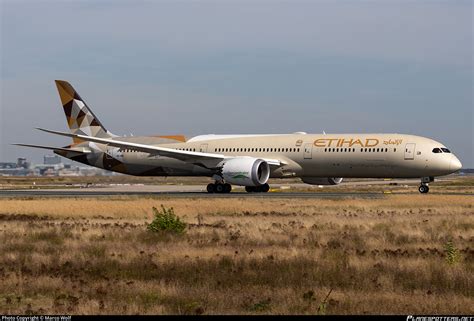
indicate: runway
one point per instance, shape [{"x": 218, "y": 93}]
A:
[
  {"x": 198, "y": 191},
  {"x": 86, "y": 194}
]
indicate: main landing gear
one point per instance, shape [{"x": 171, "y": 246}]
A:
[
  {"x": 257, "y": 189},
  {"x": 219, "y": 188},
  {"x": 226, "y": 188},
  {"x": 424, "y": 188}
]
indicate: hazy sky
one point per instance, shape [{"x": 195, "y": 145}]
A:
[{"x": 172, "y": 67}]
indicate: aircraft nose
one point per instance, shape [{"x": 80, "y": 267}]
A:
[{"x": 455, "y": 164}]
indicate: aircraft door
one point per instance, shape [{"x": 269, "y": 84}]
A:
[
  {"x": 308, "y": 151},
  {"x": 203, "y": 148},
  {"x": 410, "y": 151}
]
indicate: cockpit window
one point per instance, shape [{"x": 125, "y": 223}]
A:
[
  {"x": 437, "y": 150},
  {"x": 445, "y": 150}
]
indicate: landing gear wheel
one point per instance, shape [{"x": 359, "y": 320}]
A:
[
  {"x": 250, "y": 189},
  {"x": 211, "y": 188},
  {"x": 423, "y": 189},
  {"x": 219, "y": 188},
  {"x": 257, "y": 189}
]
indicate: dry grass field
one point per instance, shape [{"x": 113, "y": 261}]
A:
[{"x": 407, "y": 254}]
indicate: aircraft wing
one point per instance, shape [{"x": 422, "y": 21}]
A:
[{"x": 207, "y": 160}]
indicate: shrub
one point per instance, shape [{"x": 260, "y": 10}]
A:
[
  {"x": 452, "y": 253},
  {"x": 166, "y": 221},
  {"x": 261, "y": 306}
]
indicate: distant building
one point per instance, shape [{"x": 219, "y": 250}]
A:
[
  {"x": 7, "y": 165},
  {"x": 52, "y": 166},
  {"x": 51, "y": 159},
  {"x": 20, "y": 168},
  {"x": 22, "y": 163}
]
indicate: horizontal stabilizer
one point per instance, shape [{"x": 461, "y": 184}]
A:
[{"x": 55, "y": 148}]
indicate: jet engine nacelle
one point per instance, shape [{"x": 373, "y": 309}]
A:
[
  {"x": 245, "y": 171},
  {"x": 322, "y": 180}
]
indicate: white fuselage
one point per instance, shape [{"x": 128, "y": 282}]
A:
[{"x": 314, "y": 155}]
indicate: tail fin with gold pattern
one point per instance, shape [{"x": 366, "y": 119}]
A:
[{"x": 81, "y": 120}]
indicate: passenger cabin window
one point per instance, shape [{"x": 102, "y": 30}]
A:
[
  {"x": 437, "y": 150},
  {"x": 445, "y": 150}
]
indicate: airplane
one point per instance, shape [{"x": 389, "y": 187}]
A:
[{"x": 250, "y": 160}]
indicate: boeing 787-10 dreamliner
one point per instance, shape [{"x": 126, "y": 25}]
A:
[{"x": 250, "y": 160}]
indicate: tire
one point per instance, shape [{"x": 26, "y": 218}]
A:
[
  {"x": 211, "y": 188},
  {"x": 227, "y": 188},
  {"x": 249, "y": 189},
  {"x": 264, "y": 188},
  {"x": 423, "y": 189},
  {"x": 219, "y": 188}
]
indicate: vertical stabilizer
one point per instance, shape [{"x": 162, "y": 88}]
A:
[{"x": 80, "y": 119}]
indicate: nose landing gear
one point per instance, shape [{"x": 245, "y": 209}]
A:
[{"x": 424, "y": 188}]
